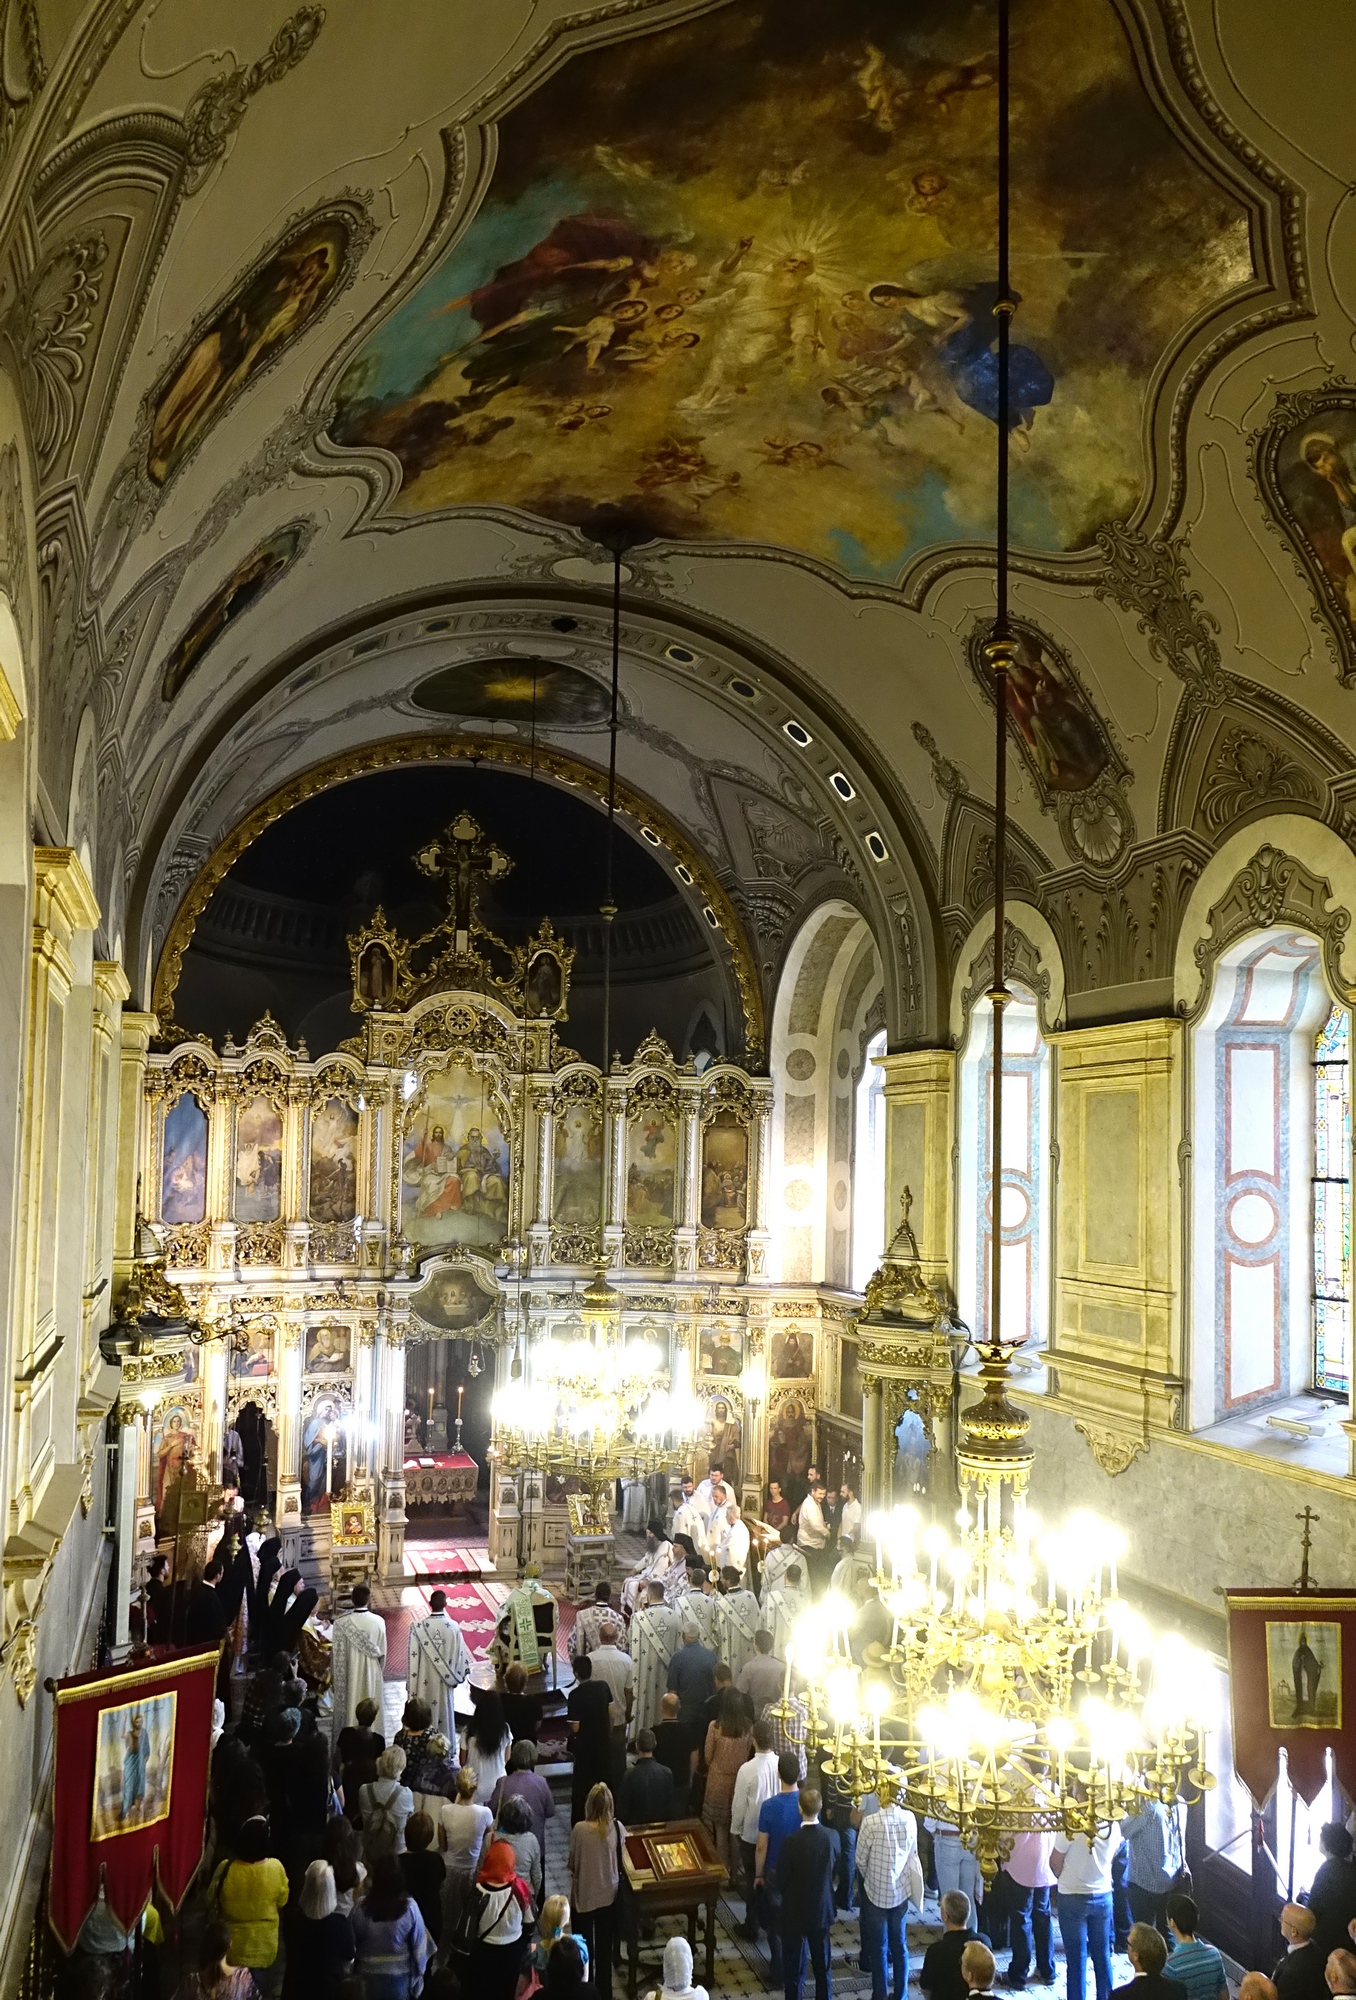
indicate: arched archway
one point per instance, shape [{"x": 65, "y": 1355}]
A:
[{"x": 829, "y": 1003}]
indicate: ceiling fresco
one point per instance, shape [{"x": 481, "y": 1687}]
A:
[{"x": 738, "y": 277}]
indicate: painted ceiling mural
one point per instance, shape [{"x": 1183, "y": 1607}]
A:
[{"x": 738, "y": 276}]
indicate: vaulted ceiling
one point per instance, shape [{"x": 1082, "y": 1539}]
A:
[{"x": 349, "y": 343}]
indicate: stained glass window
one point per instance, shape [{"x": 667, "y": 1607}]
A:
[{"x": 1332, "y": 1203}]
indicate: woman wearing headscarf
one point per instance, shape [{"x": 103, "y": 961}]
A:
[
  {"x": 678, "y": 1973},
  {"x": 497, "y": 1954}
]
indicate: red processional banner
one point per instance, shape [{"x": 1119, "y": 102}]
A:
[
  {"x": 1292, "y": 1676},
  {"x": 129, "y": 1803}
]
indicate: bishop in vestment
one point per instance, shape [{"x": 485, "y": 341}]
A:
[
  {"x": 440, "y": 1661},
  {"x": 652, "y": 1566},
  {"x": 357, "y": 1660}
]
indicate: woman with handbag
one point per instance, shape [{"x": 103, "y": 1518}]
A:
[{"x": 595, "y": 1883}]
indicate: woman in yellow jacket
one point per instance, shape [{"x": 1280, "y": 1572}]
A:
[{"x": 249, "y": 1892}]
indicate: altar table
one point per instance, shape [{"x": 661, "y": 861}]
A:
[{"x": 440, "y": 1479}]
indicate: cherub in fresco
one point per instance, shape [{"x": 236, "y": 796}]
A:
[
  {"x": 884, "y": 89},
  {"x": 680, "y": 462},
  {"x": 882, "y": 343},
  {"x": 796, "y": 451},
  {"x": 597, "y": 334},
  {"x": 648, "y": 355}
]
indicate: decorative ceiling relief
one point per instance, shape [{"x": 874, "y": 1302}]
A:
[
  {"x": 737, "y": 277},
  {"x": 1305, "y": 465}
]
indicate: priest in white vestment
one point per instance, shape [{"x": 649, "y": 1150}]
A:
[
  {"x": 440, "y": 1661},
  {"x": 357, "y": 1660},
  {"x": 737, "y": 1618},
  {"x": 784, "y": 1607},
  {"x": 690, "y": 1520},
  {"x": 656, "y": 1633},
  {"x": 778, "y": 1560},
  {"x": 698, "y": 1607},
  {"x": 731, "y": 1539}
]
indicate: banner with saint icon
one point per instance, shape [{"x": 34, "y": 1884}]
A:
[
  {"x": 1292, "y": 1676},
  {"x": 130, "y": 1792}
]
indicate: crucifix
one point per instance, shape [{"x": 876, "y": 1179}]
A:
[
  {"x": 1309, "y": 1521},
  {"x": 461, "y": 857}
]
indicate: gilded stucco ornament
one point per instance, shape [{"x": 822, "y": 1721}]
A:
[{"x": 1114, "y": 1451}]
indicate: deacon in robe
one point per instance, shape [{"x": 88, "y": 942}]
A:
[
  {"x": 697, "y": 1606},
  {"x": 650, "y": 1568},
  {"x": 357, "y": 1660},
  {"x": 737, "y": 1618},
  {"x": 587, "y": 1633},
  {"x": 673, "y": 1577},
  {"x": 784, "y": 1607},
  {"x": 656, "y": 1631},
  {"x": 439, "y": 1662},
  {"x": 690, "y": 1520},
  {"x": 778, "y": 1561},
  {"x": 731, "y": 1541}
]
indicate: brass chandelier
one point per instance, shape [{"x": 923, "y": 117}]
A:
[
  {"x": 597, "y": 1408},
  {"x": 1018, "y": 1692}
]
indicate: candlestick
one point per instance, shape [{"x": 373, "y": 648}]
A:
[
  {"x": 461, "y": 1391},
  {"x": 430, "y": 1399}
]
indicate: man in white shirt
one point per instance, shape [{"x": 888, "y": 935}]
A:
[
  {"x": 705, "y": 1495},
  {"x": 812, "y": 1533},
  {"x": 357, "y": 1660},
  {"x": 849, "y": 1515},
  {"x": 756, "y": 1780},
  {"x": 616, "y": 1668},
  {"x": 892, "y": 1878},
  {"x": 439, "y": 1662},
  {"x": 1082, "y": 1868}
]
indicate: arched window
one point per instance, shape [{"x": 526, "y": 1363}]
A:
[
  {"x": 1332, "y": 1203},
  {"x": 1025, "y": 1207},
  {"x": 868, "y": 1168},
  {"x": 1271, "y": 1262}
]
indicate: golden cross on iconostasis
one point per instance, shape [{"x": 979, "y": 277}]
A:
[{"x": 462, "y": 857}]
